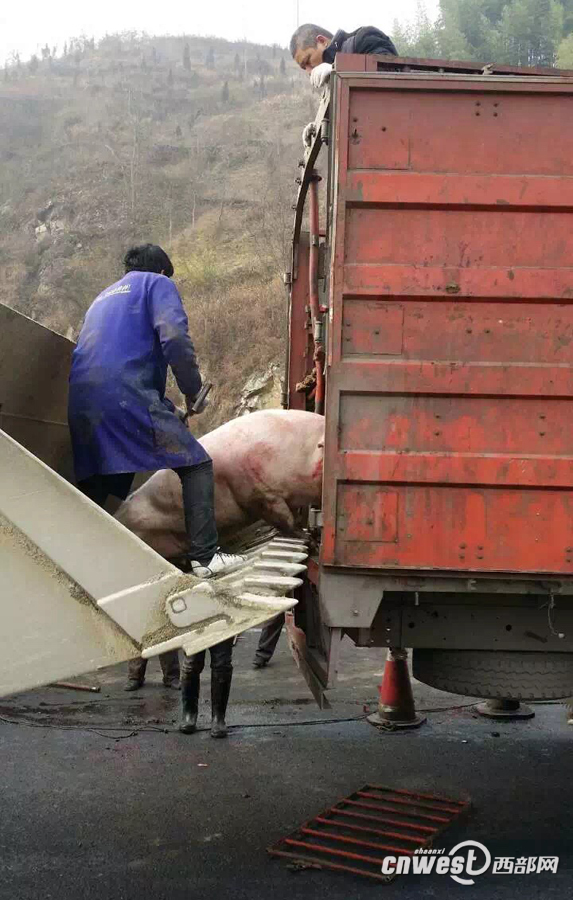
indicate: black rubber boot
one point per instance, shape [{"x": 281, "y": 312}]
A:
[
  {"x": 170, "y": 667},
  {"x": 135, "y": 674},
  {"x": 259, "y": 663},
  {"x": 189, "y": 703},
  {"x": 220, "y": 690}
]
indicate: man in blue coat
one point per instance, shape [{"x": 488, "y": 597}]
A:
[{"x": 120, "y": 419}]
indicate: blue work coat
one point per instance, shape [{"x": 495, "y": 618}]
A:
[{"x": 119, "y": 417}]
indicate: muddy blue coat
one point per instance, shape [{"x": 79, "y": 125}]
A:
[{"x": 120, "y": 419}]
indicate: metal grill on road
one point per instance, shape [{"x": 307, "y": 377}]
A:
[{"x": 357, "y": 833}]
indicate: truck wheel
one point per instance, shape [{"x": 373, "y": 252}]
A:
[{"x": 496, "y": 673}]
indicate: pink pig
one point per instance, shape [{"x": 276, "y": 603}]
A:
[{"x": 267, "y": 464}]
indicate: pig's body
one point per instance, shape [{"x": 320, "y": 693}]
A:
[{"x": 266, "y": 465}]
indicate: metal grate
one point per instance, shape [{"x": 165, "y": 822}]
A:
[{"x": 357, "y": 833}]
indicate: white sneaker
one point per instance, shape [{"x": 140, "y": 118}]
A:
[{"x": 221, "y": 564}]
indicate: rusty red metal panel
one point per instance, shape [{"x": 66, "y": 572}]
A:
[
  {"x": 507, "y": 241},
  {"x": 470, "y": 130},
  {"x": 430, "y": 330},
  {"x": 354, "y": 62},
  {"x": 450, "y": 374},
  {"x": 398, "y": 189},
  {"x": 350, "y": 62},
  {"x": 453, "y": 527},
  {"x": 430, "y": 423},
  {"x": 480, "y": 283},
  {"x": 455, "y": 468},
  {"x": 372, "y": 327},
  {"x": 367, "y": 513}
]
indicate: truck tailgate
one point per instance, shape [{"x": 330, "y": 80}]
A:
[{"x": 449, "y": 442}]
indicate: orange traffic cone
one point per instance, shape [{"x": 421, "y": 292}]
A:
[{"x": 396, "y": 706}]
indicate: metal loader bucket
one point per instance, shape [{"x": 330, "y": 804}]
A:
[{"x": 77, "y": 589}]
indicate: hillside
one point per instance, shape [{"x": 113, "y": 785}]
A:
[{"x": 192, "y": 143}]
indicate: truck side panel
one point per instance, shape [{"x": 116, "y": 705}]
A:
[{"x": 450, "y": 376}]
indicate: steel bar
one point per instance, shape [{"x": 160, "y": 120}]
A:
[
  {"x": 364, "y": 830},
  {"x": 91, "y": 688},
  {"x": 391, "y": 810},
  {"x": 313, "y": 292},
  {"x": 401, "y": 802},
  {"x": 428, "y": 829}
]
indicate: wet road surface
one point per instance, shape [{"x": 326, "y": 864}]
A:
[{"x": 103, "y": 798}]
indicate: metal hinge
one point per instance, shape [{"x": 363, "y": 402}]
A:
[{"x": 315, "y": 518}]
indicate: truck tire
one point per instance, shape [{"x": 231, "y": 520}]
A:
[{"x": 496, "y": 674}]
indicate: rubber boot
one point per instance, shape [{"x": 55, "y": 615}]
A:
[
  {"x": 189, "y": 703},
  {"x": 170, "y": 667},
  {"x": 136, "y": 674},
  {"x": 220, "y": 689}
]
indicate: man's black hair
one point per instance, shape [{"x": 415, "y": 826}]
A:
[
  {"x": 148, "y": 258},
  {"x": 307, "y": 36}
]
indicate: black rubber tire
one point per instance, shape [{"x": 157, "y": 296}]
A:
[{"x": 496, "y": 674}]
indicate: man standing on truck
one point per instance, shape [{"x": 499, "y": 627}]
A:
[
  {"x": 120, "y": 419},
  {"x": 313, "y": 48}
]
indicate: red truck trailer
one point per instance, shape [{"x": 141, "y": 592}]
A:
[{"x": 431, "y": 319}]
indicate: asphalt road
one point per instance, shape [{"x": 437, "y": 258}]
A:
[{"x": 136, "y": 812}]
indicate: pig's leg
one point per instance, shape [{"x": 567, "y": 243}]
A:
[{"x": 276, "y": 512}]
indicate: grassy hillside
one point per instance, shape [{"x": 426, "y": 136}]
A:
[{"x": 188, "y": 142}]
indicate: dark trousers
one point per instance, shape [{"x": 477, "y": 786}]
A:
[
  {"x": 269, "y": 638},
  {"x": 169, "y": 666},
  {"x": 198, "y": 485},
  {"x": 221, "y": 662}
]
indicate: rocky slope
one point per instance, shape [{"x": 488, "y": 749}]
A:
[{"x": 188, "y": 142}]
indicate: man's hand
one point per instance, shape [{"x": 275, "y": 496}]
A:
[
  {"x": 308, "y": 133},
  {"x": 320, "y": 75},
  {"x": 190, "y": 401}
]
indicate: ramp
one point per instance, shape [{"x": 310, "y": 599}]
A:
[{"x": 80, "y": 591}]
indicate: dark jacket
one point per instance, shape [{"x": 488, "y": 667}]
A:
[{"x": 363, "y": 40}]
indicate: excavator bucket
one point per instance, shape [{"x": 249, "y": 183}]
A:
[{"x": 78, "y": 590}]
